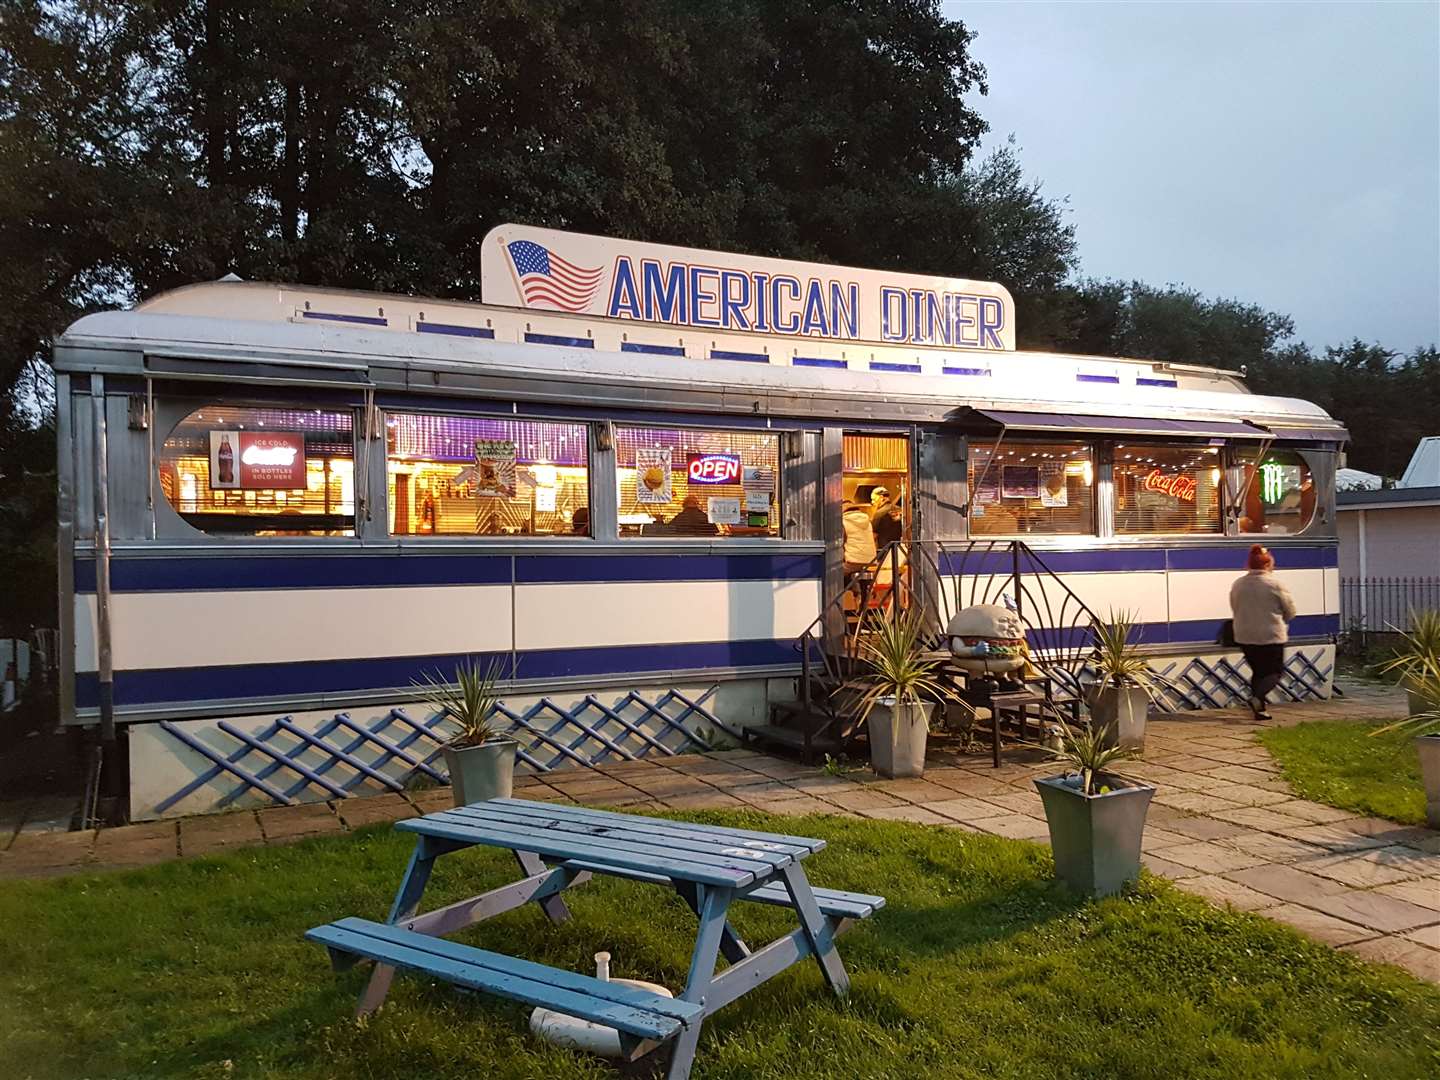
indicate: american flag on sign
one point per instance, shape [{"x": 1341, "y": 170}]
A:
[{"x": 548, "y": 280}]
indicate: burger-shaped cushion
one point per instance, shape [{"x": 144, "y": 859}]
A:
[{"x": 987, "y": 638}]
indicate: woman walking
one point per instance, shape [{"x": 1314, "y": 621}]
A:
[{"x": 1262, "y": 607}]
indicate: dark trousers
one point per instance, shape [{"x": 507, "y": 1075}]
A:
[{"x": 1267, "y": 665}]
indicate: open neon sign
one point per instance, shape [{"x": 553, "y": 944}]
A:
[{"x": 714, "y": 469}]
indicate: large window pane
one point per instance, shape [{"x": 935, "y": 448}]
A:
[
  {"x": 1167, "y": 489},
  {"x": 1032, "y": 489},
  {"x": 236, "y": 470},
  {"x": 475, "y": 476},
  {"x": 683, "y": 482},
  {"x": 1280, "y": 498}
]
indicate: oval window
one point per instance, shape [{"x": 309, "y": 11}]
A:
[{"x": 1279, "y": 495}]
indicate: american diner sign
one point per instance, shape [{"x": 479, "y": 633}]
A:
[{"x": 550, "y": 270}]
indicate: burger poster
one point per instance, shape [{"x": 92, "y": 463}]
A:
[
  {"x": 495, "y": 467},
  {"x": 652, "y": 475},
  {"x": 1053, "y": 491}
]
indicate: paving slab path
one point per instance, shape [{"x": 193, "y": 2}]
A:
[{"x": 1223, "y": 825}]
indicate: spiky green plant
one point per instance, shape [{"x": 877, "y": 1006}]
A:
[
  {"x": 1085, "y": 750},
  {"x": 1117, "y": 659},
  {"x": 895, "y": 667},
  {"x": 1420, "y": 653},
  {"x": 1422, "y": 678},
  {"x": 469, "y": 702}
]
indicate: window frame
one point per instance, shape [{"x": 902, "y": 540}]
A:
[
  {"x": 688, "y": 424},
  {"x": 547, "y": 541},
  {"x": 175, "y": 404},
  {"x": 1235, "y": 512},
  {"x": 1222, "y": 496},
  {"x": 1094, "y": 444}
]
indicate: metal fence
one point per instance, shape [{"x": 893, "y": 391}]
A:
[{"x": 1378, "y": 605}]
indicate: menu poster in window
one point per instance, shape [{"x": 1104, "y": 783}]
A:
[
  {"x": 723, "y": 510},
  {"x": 544, "y": 500},
  {"x": 257, "y": 461},
  {"x": 652, "y": 475},
  {"x": 987, "y": 488},
  {"x": 1053, "y": 491},
  {"x": 758, "y": 484},
  {"x": 1020, "y": 482},
  {"x": 495, "y": 467}
]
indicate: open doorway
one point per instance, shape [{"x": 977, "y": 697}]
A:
[{"x": 876, "y": 489}]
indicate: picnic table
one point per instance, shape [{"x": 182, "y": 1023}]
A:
[{"x": 559, "y": 847}]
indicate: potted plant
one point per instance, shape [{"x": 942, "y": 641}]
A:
[
  {"x": 1419, "y": 655},
  {"x": 900, "y": 691},
  {"x": 1424, "y": 682},
  {"x": 1096, "y": 819},
  {"x": 1120, "y": 701},
  {"x": 479, "y": 756}
]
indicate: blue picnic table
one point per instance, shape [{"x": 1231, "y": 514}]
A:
[{"x": 559, "y": 847}]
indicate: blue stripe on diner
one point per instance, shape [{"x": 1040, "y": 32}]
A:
[
  {"x": 1139, "y": 381},
  {"x": 456, "y": 330},
  {"x": 166, "y": 685},
  {"x": 885, "y": 365},
  {"x": 330, "y": 571},
  {"x": 1083, "y": 377},
  {"x": 966, "y": 370},
  {"x": 658, "y": 350},
  {"x": 744, "y": 357},
  {"x": 334, "y": 316},
  {"x": 557, "y": 339},
  {"x": 817, "y": 361},
  {"x": 537, "y": 569},
  {"x": 1118, "y": 560}
]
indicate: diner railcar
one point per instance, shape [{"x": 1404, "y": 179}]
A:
[{"x": 623, "y": 480}]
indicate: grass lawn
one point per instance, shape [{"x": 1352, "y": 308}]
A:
[
  {"x": 979, "y": 967},
  {"x": 1338, "y": 763}
]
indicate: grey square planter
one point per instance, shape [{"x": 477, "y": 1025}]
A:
[
  {"x": 1095, "y": 838},
  {"x": 1428, "y": 747},
  {"x": 481, "y": 772}
]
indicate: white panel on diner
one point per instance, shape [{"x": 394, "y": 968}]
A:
[
  {"x": 198, "y": 629},
  {"x": 1205, "y": 594},
  {"x": 1332, "y": 590},
  {"x": 577, "y": 615},
  {"x": 86, "y": 652},
  {"x": 1140, "y": 593}
]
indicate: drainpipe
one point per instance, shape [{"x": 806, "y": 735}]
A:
[
  {"x": 1364, "y": 574},
  {"x": 102, "y": 560}
]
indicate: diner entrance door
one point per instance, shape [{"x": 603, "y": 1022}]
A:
[{"x": 876, "y": 507}]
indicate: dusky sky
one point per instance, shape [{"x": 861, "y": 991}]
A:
[{"x": 1285, "y": 154}]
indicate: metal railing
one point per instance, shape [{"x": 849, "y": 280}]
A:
[{"x": 1381, "y": 605}]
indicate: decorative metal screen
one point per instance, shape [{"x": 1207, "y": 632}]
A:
[{"x": 285, "y": 761}]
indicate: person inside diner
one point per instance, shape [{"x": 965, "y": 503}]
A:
[
  {"x": 885, "y": 520},
  {"x": 691, "y": 520},
  {"x": 580, "y": 522},
  {"x": 859, "y": 539}
]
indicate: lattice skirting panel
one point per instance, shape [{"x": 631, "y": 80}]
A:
[
  {"x": 1222, "y": 679},
  {"x": 189, "y": 767}
]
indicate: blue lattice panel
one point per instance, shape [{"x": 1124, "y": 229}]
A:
[
  {"x": 217, "y": 765},
  {"x": 1222, "y": 680}
]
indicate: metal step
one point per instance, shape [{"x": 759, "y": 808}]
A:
[{"x": 791, "y": 739}]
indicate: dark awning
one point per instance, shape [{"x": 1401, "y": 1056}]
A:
[
  {"x": 1334, "y": 435},
  {"x": 1116, "y": 425}
]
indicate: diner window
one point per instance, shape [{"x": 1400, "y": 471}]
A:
[
  {"x": 475, "y": 476},
  {"x": 262, "y": 471},
  {"x": 1166, "y": 489},
  {"x": 1279, "y": 496},
  {"x": 1032, "y": 489},
  {"x": 683, "y": 482}
]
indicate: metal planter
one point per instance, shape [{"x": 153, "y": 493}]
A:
[
  {"x": 481, "y": 772},
  {"x": 1120, "y": 711},
  {"x": 1428, "y": 747},
  {"x": 1095, "y": 838},
  {"x": 898, "y": 735}
]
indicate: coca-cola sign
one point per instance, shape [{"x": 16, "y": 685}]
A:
[
  {"x": 257, "y": 460},
  {"x": 1177, "y": 485}
]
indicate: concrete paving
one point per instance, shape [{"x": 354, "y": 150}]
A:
[{"x": 1223, "y": 824}]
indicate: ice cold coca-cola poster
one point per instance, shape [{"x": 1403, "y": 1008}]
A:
[{"x": 257, "y": 460}]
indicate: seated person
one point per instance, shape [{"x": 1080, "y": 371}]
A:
[
  {"x": 691, "y": 520},
  {"x": 580, "y": 522}
]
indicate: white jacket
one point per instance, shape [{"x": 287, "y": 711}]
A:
[
  {"x": 1261, "y": 606},
  {"x": 859, "y": 537}
]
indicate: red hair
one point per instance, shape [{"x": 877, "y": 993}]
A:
[{"x": 1260, "y": 558}]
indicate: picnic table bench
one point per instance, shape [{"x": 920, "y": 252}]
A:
[{"x": 559, "y": 847}]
